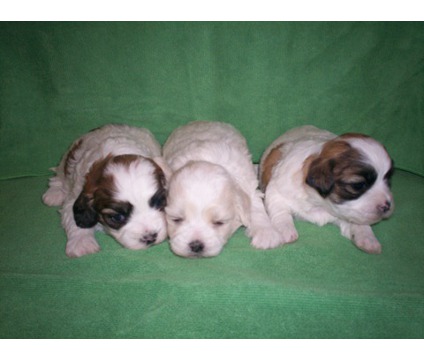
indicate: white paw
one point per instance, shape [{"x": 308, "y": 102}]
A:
[
  {"x": 363, "y": 238},
  {"x": 53, "y": 197},
  {"x": 83, "y": 246},
  {"x": 287, "y": 230},
  {"x": 289, "y": 235},
  {"x": 266, "y": 238},
  {"x": 368, "y": 244}
]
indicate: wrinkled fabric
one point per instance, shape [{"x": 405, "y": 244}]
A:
[{"x": 59, "y": 80}]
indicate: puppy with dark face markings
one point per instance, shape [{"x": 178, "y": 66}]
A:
[
  {"x": 111, "y": 179},
  {"x": 314, "y": 175}
]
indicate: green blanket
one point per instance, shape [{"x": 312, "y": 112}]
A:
[{"x": 59, "y": 80}]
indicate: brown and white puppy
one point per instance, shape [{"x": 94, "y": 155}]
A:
[
  {"x": 111, "y": 177},
  {"x": 314, "y": 175},
  {"x": 213, "y": 190}
]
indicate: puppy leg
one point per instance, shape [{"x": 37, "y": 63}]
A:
[
  {"x": 55, "y": 195},
  {"x": 80, "y": 241},
  {"x": 283, "y": 222},
  {"x": 263, "y": 234},
  {"x": 362, "y": 237},
  {"x": 281, "y": 217}
]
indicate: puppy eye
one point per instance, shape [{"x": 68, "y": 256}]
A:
[
  {"x": 177, "y": 220},
  {"x": 358, "y": 186},
  {"x": 218, "y": 223},
  {"x": 116, "y": 218}
]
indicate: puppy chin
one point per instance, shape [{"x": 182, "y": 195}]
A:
[{"x": 139, "y": 240}]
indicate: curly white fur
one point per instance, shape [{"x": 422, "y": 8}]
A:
[
  {"x": 213, "y": 190},
  {"x": 134, "y": 183},
  {"x": 288, "y": 195}
]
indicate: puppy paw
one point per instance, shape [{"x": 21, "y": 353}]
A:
[
  {"x": 368, "y": 244},
  {"x": 268, "y": 238},
  {"x": 81, "y": 247},
  {"x": 362, "y": 237},
  {"x": 53, "y": 197},
  {"x": 290, "y": 235}
]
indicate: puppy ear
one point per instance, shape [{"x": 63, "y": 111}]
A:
[
  {"x": 162, "y": 173},
  {"x": 320, "y": 175},
  {"x": 160, "y": 161},
  {"x": 84, "y": 214}
]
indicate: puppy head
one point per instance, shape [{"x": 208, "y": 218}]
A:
[
  {"x": 204, "y": 208},
  {"x": 352, "y": 174},
  {"x": 127, "y": 195}
]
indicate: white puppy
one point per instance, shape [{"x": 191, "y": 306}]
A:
[
  {"x": 213, "y": 190},
  {"x": 322, "y": 178},
  {"x": 111, "y": 176}
]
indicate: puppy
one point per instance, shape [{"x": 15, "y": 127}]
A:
[
  {"x": 322, "y": 178},
  {"x": 213, "y": 190},
  {"x": 113, "y": 177}
]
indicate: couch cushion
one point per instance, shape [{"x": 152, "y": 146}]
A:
[
  {"x": 319, "y": 287},
  {"x": 60, "y": 80}
]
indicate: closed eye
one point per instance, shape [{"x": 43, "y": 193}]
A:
[
  {"x": 176, "y": 220},
  {"x": 218, "y": 223}
]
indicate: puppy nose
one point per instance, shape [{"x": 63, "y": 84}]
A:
[
  {"x": 196, "y": 246},
  {"x": 149, "y": 238},
  {"x": 385, "y": 207}
]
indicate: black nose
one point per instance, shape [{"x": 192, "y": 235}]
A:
[
  {"x": 196, "y": 246},
  {"x": 385, "y": 207},
  {"x": 149, "y": 239}
]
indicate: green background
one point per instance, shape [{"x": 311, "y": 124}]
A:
[{"x": 59, "y": 80}]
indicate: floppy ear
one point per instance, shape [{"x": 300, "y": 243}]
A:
[
  {"x": 320, "y": 175},
  {"x": 160, "y": 161},
  {"x": 163, "y": 173},
  {"x": 85, "y": 215}
]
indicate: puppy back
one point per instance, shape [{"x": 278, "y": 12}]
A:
[{"x": 290, "y": 140}]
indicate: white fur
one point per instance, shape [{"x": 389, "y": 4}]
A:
[
  {"x": 135, "y": 184},
  {"x": 287, "y": 195},
  {"x": 213, "y": 190}
]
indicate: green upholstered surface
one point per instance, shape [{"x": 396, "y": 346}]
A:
[{"x": 59, "y": 80}]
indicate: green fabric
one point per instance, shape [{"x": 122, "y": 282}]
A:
[
  {"x": 59, "y": 80},
  {"x": 321, "y": 286}
]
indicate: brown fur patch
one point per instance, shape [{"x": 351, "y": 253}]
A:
[
  {"x": 158, "y": 200},
  {"x": 339, "y": 172},
  {"x": 70, "y": 157},
  {"x": 96, "y": 201},
  {"x": 159, "y": 174},
  {"x": 268, "y": 165},
  {"x": 125, "y": 160},
  {"x": 85, "y": 214},
  {"x": 95, "y": 179},
  {"x": 100, "y": 188},
  {"x": 353, "y": 136},
  {"x": 334, "y": 148}
]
